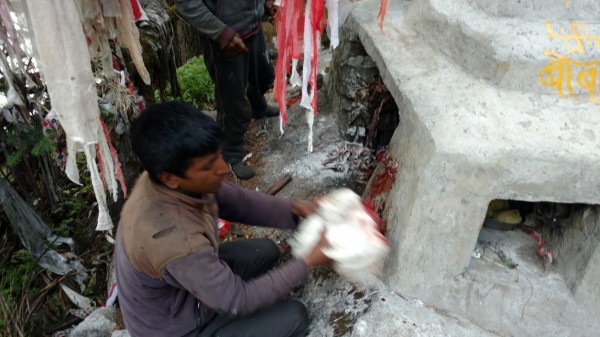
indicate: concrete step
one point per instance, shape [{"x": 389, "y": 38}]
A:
[
  {"x": 509, "y": 52},
  {"x": 573, "y": 10}
]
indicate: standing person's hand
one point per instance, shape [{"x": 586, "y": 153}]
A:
[
  {"x": 236, "y": 46},
  {"x": 270, "y": 7}
]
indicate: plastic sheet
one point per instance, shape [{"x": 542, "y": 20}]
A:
[
  {"x": 36, "y": 236},
  {"x": 79, "y": 300}
]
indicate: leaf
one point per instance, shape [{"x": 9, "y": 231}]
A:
[
  {"x": 14, "y": 159},
  {"x": 43, "y": 146},
  {"x": 197, "y": 87}
]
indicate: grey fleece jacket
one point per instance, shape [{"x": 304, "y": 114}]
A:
[
  {"x": 169, "y": 275},
  {"x": 220, "y": 20}
]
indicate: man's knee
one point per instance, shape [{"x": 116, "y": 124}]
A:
[
  {"x": 297, "y": 317},
  {"x": 268, "y": 249}
]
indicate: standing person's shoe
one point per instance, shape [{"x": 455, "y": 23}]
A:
[
  {"x": 272, "y": 111},
  {"x": 242, "y": 171}
]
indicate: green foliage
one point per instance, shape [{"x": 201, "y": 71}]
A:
[
  {"x": 105, "y": 114},
  {"x": 14, "y": 158},
  {"x": 73, "y": 210},
  {"x": 197, "y": 87},
  {"x": 43, "y": 146},
  {"x": 27, "y": 139},
  {"x": 15, "y": 275}
]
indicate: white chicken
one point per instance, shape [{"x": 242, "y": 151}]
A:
[{"x": 357, "y": 248}]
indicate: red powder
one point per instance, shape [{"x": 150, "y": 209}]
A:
[{"x": 381, "y": 184}]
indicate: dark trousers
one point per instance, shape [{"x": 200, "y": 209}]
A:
[
  {"x": 240, "y": 84},
  {"x": 288, "y": 318}
]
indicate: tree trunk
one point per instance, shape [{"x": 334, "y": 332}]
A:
[
  {"x": 187, "y": 38},
  {"x": 187, "y": 42}
]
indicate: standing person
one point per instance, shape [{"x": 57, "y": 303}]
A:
[
  {"x": 173, "y": 276},
  {"x": 237, "y": 60}
]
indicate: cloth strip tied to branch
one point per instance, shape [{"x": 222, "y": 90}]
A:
[
  {"x": 65, "y": 63},
  {"x": 298, "y": 36}
]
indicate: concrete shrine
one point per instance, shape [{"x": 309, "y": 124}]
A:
[{"x": 497, "y": 100}]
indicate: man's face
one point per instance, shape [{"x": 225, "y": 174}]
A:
[{"x": 204, "y": 175}]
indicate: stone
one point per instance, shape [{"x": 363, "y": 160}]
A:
[
  {"x": 362, "y": 132},
  {"x": 351, "y": 131},
  {"x": 350, "y": 86},
  {"x": 121, "y": 333},
  {"x": 100, "y": 323}
]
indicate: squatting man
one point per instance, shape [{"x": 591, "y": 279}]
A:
[{"x": 173, "y": 275}]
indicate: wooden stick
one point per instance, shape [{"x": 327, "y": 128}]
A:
[
  {"x": 66, "y": 322},
  {"x": 278, "y": 186}
]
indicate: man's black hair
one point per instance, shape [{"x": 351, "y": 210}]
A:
[{"x": 167, "y": 136}]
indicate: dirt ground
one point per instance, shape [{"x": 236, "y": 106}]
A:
[
  {"x": 274, "y": 156},
  {"x": 334, "y": 305}
]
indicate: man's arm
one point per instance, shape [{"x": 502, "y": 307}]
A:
[
  {"x": 201, "y": 18},
  {"x": 238, "y": 204},
  {"x": 213, "y": 283}
]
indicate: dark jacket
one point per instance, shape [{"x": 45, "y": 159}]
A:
[
  {"x": 169, "y": 276},
  {"x": 220, "y": 20}
]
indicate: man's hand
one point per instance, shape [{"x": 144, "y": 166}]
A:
[
  {"x": 270, "y": 7},
  {"x": 316, "y": 256},
  {"x": 303, "y": 209},
  {"x": 236, "y": 46}
]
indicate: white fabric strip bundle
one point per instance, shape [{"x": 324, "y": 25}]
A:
[
  {"x": 357, "y": 248},
  {"x": 67, "y": 71},
  {"x": 65, "y": 64}
]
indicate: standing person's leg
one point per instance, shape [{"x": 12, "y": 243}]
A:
[
  {"x": 230, "y": 75},
  {"x": 260, "y": 76}
]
